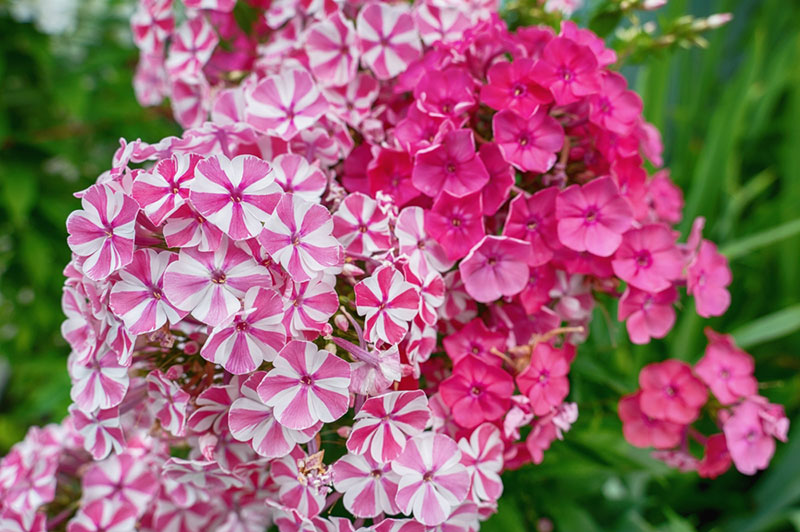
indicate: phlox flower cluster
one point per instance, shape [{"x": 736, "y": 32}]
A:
[{"x": 349, "y": 295}]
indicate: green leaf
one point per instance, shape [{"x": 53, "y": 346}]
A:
[
  {"x": 760, "y": 240},
  {"x": 19, "y": 190},
  {"x": 769, "y": 327}
]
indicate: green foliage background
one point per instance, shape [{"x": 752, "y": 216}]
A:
[{"x": 730, "y": 116}]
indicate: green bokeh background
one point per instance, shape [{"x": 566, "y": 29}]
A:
[{"x": 730, "y": 116}]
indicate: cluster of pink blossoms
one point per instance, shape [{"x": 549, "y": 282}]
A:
[{"x": 356, "y": 283}]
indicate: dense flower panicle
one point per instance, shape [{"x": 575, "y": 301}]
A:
[{"x": 380, "y": 218}]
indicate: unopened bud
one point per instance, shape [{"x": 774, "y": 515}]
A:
[
  {"x": 341, "y": 322},
  {"x": 652, "y": 5},
  {"x": 719, "y": 19}
]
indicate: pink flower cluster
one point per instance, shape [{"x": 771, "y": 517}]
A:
[
  {"x": 356, "y": 283},
  {"x": 673, "y": 395}
]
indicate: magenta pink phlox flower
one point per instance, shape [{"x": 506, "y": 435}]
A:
[
  {"x": 163, "y": 189},
  {"x": 387, "y": 302},
  {"x": 707, "y": 278},
  {"x": 531, "y": 144},
  {"x": 306, "y": 385},
  {"x": 446, "y": 93},
  {"x": 452, "y": 166},
  {"x": 285, "y": 103},
  {"x": 615, "y": 108},
  {"x": 103, "y": 516},
  {"x": 255, "y": 335},
  {"x": 369, "y": 486},
  {"x": 496, "y": 267},
  {"x": 593, "y": 217},
  {"x": 533, "y": 218},
  {"x": 296, "y": 176},
  {"x": 482, "y": 455},
  {"x": 168, "y": 402},
  {"x": 476, "y": 391},
  {"x": 671, "y": 392},
  {"x": 209, "y": 284},
  {"x": 101, "y": 431},
  {"x": 648, "y": 315},
  {"x": 99, "y": 384},
  {"x": 511, "y": 85},
  {"x": 332, "y": 49},
  {"x": 388, "y": 39},
  {"x": 102, "y": 233},
  {"x": 361, "y": 226},
  {"x": 234, "y": 194},
  {"x": 385, "y": 422},
  {"x": 648, "y": 258},
  {"x": 726, "y": 369},
  {"x": 456, "y": 223},
  {"x": 138, "y": 297},
  {"x": 568, "y": 69},
  {"x": 432, "y": 480},
  {"x": 545, "y": 381},
  {"x": 250, "y": 420},
  {"x": 191, "y": 47},
  {"x": 751, "y": 448},
  {"x": 299, "y": 235},
  {"x": 641, "y": 430},
  {"x": 501, "y": 178}
]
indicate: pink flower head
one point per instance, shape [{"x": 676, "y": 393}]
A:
[
  {"x": 593, "y": 217},
  {"x": 671, "y": 392},
  {"x": 642, "y": 430},
  {"x": 452, "y": 166},
  {"x": 389, "y": 41},
  {"x": 568, "y": 69},
  {"x": 707, "y": 277},
  {"x": 166, "y": 187},
  {"x": 211, "y": 407},
  {"x": 234, "y": 194},
  {"x": 353, "y": 102},
  {"x": 186, "y": 228},
  {"x": 332, "y": 49},
  {"x": 456, "y": 223},
  {"x": 430, "y": 284},
  {"x": 665, "y": 198},
  {"x": 532, "y": 218},
  {"x": 414, "y": 240},
  {"x": 151, "y": 24},
  {"x": 496, "y": 267},
  {"x": 209, "y": 283},
  {"x": 256, "y": 334},
  {"x": 285, "y": 103},
  {"x": 123, "y": 479},
  {"x": 102, "y": 233},
  {"x": 390, "y": 172},
  {"x": 103, "y": 516},
  {"x": 191, "y": 47},
  {"x": 531, "y": 144},
  {"x": 441, "y": 23},
  {"x": 615, "y": 108},
  {"x": 419, "y": 130},
  {"x": 138, "y": 297},
  {"x": 369, "y": 486},
  {"x": 387, "y": 302},
  {"x": 361, "y": 226},
  {"x": 648, "y": 315},
  {"x": 751, "y": 448},
  {"x": 298, "y": 235},
  {"x": 295, "y": 176},
  {"x": 446, "y": 93},
  {"x": 306, "y": 385},
  {"x": 513, "y": 86},
  {"x": 648, "y": 258},
  {"x": 168, "y": 402},
  {"x": 482, "y": 455},
  {"x": 476, "y": 392},
  {"x": 99, "y": 384},
  {"x": 250, "y": 420},
  {"x": 101, "y": 431},
  {"x": 716, "y": 458},
  {"x": 475, "y": 339},
  {"x": 545, "y": 381},
  {"x": 385, "y": 422},
  {"x": 309, "y": 306},
  {"x": 303, "y": 483},
  {"x": 432, "y": 480},
  {"x": 501, "y": 178},
  {"x": 726, "y": 369}
]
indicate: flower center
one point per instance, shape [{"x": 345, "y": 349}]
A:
[
  {"x": 157, "y": 293},
  {"x": 295, "y": 240},
  {"x": 670, "y": 391},
  {"x": 241, "y": 326},
  {"x": 307, "y": 380},
  {"x": 456, "y": 222},
  {"x": 518, "y": 90},
  {"x": 174, "y": 190},
  {"x": 428, "y": 476},
  {"x": 451, "y": 168},
  {"x": 523, "y": 140},
  {"x": 590, "y": 215},
  {"x": 643, "y": 259},
  {"x": 218, "y": 277},
  {"x": 476, "y": 390},
  {"x": 376, "y": 473},
  {"x": 362, "y": 228}
]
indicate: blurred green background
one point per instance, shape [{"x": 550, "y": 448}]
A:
[{"x": 730, "y": 116}]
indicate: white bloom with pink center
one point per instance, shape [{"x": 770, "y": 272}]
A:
[
  {"x": 482, "y": 455},
  {"x": 387, "y": 302},
  {"x": 250, "y": 420},
  {"x": 168, "y": 402},
  {"x": 309, "y": 306},
  {"x": 101, "y": 431},
  {"x": 414, "y": 240},
  {"x": 138, "y": 297},
  {"x": 102, "y": 233},
  {"x": 384, "y": 423},
  {"x": 285, "y": 103},
  {"x": 255, "y": 335},
  {"x": 306, "y": 385},
  {"x": 332, "y": 50},
  {"x": 299, "y": 236},
  {"x": 103, "y": 516},
  {"x": 296, "y": 176},
  {"x": 361, "y": 225},
  {"x": 432, "y": 480},
  {"x": 209, "y": 283},
  {"x": 234, "y": 194},
  {"x": 389, "y": 40},
  {"x": 191, "y": 47},
  {"x": 124, "y": 478},
  {"x": 369, "y": 487},
  {"x": 99, "y": 384},
  {"x": 163, "y": 189}
]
